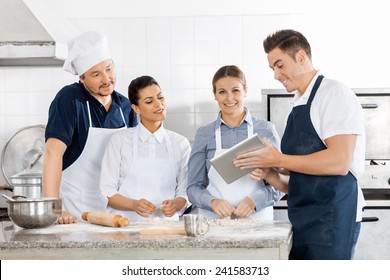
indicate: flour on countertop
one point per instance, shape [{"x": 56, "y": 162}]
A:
[
  {"x": 153, "y": 222},
  {"x": 234, "y": 222},
  {"x": 135, "y": 226}
]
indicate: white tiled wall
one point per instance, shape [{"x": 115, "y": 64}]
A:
[{"x": 183, "y": 53}]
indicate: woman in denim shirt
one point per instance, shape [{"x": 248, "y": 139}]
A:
[{"x": 245, "y": 197}]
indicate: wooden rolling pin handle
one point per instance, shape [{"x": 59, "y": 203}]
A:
[
  {"x": 124, "y": 222},
  {"x": 84, "y": 216}
]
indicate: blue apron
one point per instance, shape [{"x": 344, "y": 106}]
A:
[{"x": 322, "y": 209}]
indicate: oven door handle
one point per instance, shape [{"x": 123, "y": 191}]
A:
[
  {"x": 369, "y": 106},
  {"x": 369, "y": 219}
]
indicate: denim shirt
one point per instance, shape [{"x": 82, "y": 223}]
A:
[{"x": 203, "y": 150}]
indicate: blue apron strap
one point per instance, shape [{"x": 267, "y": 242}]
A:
[{"x": 314, "y": 90}]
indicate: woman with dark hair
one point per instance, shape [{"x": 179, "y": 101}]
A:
[
  {"x": 245, "y": 197},
  {"x": 144, "y": 169}
]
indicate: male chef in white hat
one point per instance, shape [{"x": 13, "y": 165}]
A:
[{"x": 82, "y": 117}]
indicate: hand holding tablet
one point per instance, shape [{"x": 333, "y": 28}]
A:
[{"x": 223, "y": 163}]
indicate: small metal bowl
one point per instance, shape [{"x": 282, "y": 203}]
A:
[{"x": 34, "y": 212}]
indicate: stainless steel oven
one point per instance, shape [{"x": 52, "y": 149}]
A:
[{"x": 374, "y": 241}]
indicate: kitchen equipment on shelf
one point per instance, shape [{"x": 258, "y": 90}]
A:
[
  {"x": 23, "y": 153},
  {"x": 8, "y": 197},
  {"x": 28, "y": 184},
  {"x": 34, "y": 212}
]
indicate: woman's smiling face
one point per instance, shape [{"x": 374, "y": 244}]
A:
[{"x": 230, "y": 94}]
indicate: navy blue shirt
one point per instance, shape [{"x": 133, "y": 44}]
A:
[{"x": 69, "y": 121}]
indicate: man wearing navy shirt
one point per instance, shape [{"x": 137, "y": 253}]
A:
[{"x": 82, "y": 117}]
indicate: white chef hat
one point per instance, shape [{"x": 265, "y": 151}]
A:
[{"x": 85, "y": 51}]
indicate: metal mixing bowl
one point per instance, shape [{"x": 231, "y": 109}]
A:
[{"x": 34, "y": 212}]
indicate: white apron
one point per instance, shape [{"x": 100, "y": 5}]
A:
[
  {"x": 149, "y": 178},
  {"x": 236, "y": 191},
  {"x": 79, "y": 189}
]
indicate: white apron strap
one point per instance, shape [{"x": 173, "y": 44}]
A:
[{"x": 89, "y": 114}]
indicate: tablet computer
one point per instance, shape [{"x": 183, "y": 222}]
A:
[{"x": 223, "y": 163}]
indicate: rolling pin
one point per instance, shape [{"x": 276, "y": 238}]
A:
[{"x": 105, "y": 219}]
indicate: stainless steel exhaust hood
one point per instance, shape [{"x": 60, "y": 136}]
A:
[{"x": 25, "y": 41}]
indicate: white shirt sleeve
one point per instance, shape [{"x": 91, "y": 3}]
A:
[
  {"x": 182, "y": 150},
  {"x": 111, "y": 164},
  {"x": 336, "y": 110}
]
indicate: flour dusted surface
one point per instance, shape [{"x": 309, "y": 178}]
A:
[{"x": 229, "y": 222}]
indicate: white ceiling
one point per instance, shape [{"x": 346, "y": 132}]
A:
[{"x": 144, "y": 8}]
